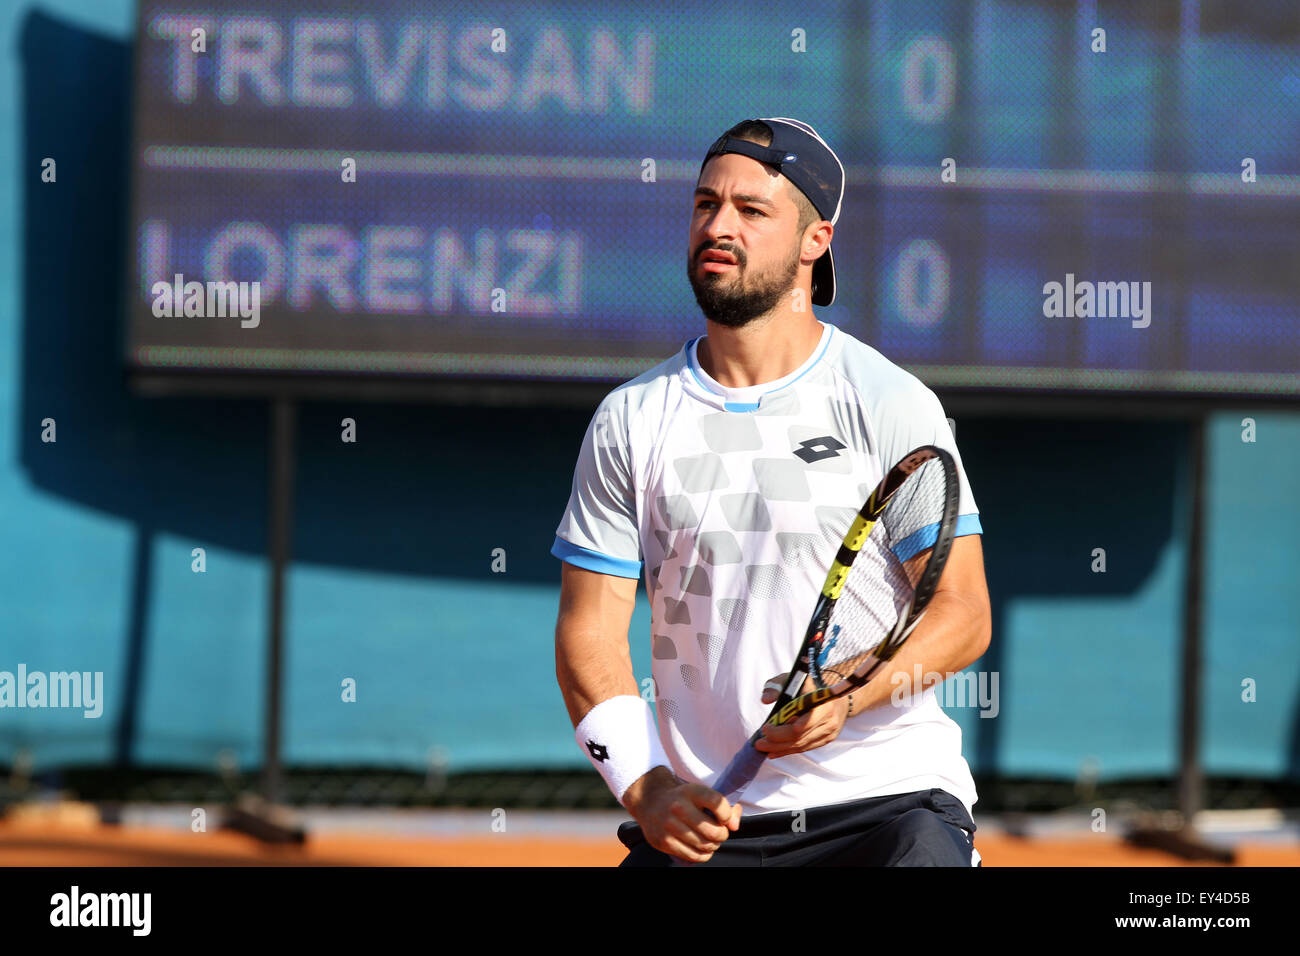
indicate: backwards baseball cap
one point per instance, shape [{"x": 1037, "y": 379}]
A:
[{"x": 803, "y": 158}]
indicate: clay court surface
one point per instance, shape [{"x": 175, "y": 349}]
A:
[{"x": 49, "y": 843}]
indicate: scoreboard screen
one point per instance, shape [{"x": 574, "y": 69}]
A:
[{"x": 1095, "y": 197}]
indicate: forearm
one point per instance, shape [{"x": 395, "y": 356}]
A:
[
  {"x": 590, "y": 667},
  {"x": 952, "y": 635},
  {"x": 593, "y": 665}
]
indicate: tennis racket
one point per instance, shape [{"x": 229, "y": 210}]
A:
[{"x": 856, "y": 626}]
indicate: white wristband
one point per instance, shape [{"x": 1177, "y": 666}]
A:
[{"x": 620, "y": 738}]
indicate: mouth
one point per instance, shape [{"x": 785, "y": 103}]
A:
[{"x": 715, "y": 260}]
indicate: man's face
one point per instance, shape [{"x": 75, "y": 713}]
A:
[{"x": 744, "y": 214}]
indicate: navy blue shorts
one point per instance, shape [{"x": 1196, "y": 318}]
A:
[{"x": 925, "y": 828}]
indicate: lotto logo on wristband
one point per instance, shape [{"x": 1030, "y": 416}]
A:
[{"x": 627, "y": 720}]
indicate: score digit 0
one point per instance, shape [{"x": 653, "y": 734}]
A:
[
  {"x": 922, "y": 300},
  {"x": 925, "y": 58}
]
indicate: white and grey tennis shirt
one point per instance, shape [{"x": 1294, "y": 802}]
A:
[{"x": 732, "y": 502}]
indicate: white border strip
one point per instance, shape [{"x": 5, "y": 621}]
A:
[{"x": 616, "y": 169}]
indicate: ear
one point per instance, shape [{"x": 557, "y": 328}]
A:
[{"x": 818, "y": 239}]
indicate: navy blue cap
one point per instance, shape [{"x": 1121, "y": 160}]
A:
[{"x": 803, "y": 158}]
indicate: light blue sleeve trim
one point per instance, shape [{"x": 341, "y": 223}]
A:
[
  {"x": 918, "y": 541},
  {"x": 594, "y": 560}
]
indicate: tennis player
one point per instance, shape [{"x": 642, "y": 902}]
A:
[{"x": 726, "y": 477}]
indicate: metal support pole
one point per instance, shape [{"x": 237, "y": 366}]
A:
[
  {"x": 1180, "y": 837},
  {"x": 280, "y": 519},
  {"x": 262, "y": 817},
  {"x": 1190, "y": 779}
]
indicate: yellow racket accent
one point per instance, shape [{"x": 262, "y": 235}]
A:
[
  {"x": 858, "y": 532},
  {"x": 835, "y": 580},
  {"x": 800, "y": 705}
]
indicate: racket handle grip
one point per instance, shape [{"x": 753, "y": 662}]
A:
[{"x": 742, "y": 769}]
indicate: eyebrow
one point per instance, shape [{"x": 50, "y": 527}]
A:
[{"x": 743, "y": 197}]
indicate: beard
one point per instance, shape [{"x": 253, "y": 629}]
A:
[{"x": 737, "y": 298}]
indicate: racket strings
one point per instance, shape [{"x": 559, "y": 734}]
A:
[{"x": 878, "y": 591}]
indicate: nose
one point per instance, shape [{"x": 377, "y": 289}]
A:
[{"x": 722, "y": 223}]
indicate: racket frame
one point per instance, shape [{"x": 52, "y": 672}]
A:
[{"x": 791, "y": 704}]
